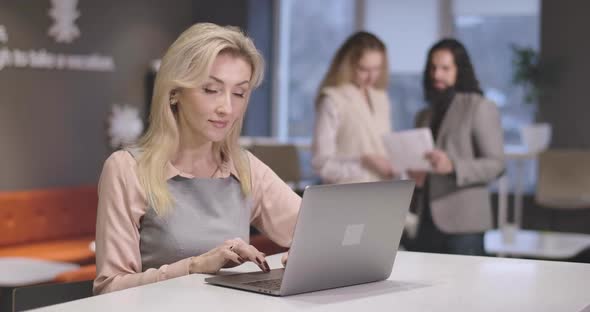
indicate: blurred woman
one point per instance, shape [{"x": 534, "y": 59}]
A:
[{"x": 353, "y": 114}]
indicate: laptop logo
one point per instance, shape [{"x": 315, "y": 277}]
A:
[{"x": 353, "y": 234}]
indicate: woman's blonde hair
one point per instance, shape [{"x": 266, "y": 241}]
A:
[
  {"x": 347, "y": 57},
  {"x": 186, "y": 64}
]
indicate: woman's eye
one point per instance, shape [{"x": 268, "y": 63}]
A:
[
  {"x": 239, "y": 94},
  {"x": 209, "y": 91}
]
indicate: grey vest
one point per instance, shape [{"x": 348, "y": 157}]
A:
[{"x": 206, "y": 212}]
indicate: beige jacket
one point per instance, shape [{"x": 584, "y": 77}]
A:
[
  {"x": 347, "y": 128},
  {"x": 471, "y": 135}
]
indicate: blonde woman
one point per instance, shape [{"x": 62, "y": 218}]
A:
[
  {"x": 353, "y": 114},
  {"x": 182, "y": 201}
]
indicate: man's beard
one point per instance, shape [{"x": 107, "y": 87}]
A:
[
  {"x": 441, "y": 98},
  {"x": 440, "y": 101}
]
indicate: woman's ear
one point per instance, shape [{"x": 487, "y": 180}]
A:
[{"x": 174, "y": 97}]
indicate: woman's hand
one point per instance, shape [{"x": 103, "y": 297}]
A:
[
  {"x": 231, "y": 251},
  {"x": 379, "y": 164},
  {"x": 440, "y": 162}
]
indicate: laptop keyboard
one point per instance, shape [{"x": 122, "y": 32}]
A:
[{"x": 272, "y": 284}]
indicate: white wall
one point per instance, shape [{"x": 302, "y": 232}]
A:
[{"x": 408, "y": 28}]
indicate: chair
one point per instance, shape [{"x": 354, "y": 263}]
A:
[
  {"x": 31, "y": 297},
  {"x": 563, "y": 183},
  {"x": 283, "y": 159},
  {"x": 564, "y": 179}
]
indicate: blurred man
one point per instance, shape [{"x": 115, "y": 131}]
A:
[{"x": 454, "y": 202}]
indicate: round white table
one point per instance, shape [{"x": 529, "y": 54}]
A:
[{"x": 16, "y": 271}]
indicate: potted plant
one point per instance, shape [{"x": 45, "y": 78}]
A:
[{"x": 534, "y": 76}]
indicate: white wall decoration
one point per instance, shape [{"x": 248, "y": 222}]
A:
[
  {"x": 155, "y": 65},
  {"x": 43, "y": 59},
  {"x": 3, "y": 34},
  {"x": 125, "y": 125},
  {"x": 64, "y": 14}
]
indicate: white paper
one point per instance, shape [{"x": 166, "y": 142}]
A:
[{"x": 407, "y": 149}]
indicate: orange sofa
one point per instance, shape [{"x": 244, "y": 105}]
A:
[{"x": 51, "y": 224}]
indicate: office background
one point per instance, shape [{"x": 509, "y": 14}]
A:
[{"x": 52, "y": 122}]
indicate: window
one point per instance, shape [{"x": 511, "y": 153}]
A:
[
  {"x": 488, "y": 40},
  {"x": 315, "y": 30},
  {"x": 310, "y": 32}
]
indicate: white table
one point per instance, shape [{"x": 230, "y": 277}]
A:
[
  {"x": 536, "y": 244},
  {"x": 420, "y": 282},
  {"x": 17, "y": 271}
]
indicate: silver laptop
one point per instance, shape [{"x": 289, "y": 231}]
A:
[{"x": 345, "y": 235}]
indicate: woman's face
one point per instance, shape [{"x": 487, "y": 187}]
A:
[
  {"x": 210, "y": 109},
  {"x": 368, "y": 70}
]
